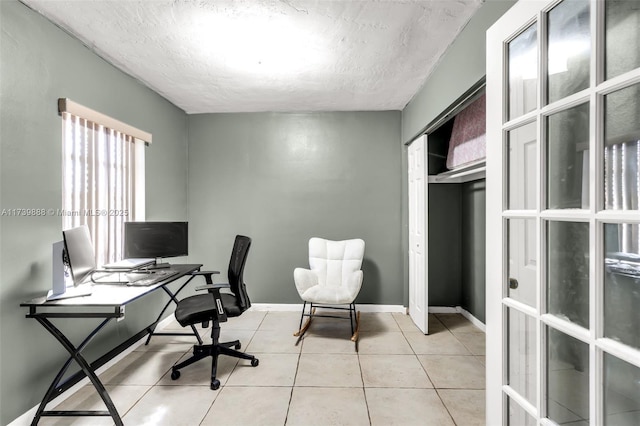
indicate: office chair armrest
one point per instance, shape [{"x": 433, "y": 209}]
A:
[
  {"x": 213, "y": 286},
  {"x": 206, "y": 274},
  {"x": 214, "y": 291},
  {"x": 304, "y": 279}
]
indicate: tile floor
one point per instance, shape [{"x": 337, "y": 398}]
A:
[{"x": 398, "y": 377}]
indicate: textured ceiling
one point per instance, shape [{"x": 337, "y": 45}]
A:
[{"x": 259, "y": 55}]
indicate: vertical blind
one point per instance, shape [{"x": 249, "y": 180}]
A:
[
  {"x": 103, "y": 182},
  {"x": 622, "y": 187}
]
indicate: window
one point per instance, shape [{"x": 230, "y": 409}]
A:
[{"x": 102, "y": 176}]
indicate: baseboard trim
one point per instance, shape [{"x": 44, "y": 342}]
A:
[
  {"x": 443, "y": 310},
  {"x": 458, "y": 310},
  {"x": 297, "y": 307}
]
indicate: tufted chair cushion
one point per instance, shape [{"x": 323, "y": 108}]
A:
[{"x": 335, "y": 274}]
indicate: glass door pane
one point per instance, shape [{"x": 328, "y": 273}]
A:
[
  {"x": 523, "y": 72},
  {"x": 522, "y": 166},
  {"x": 522, "y": 260},
  {"x": 621, "y": 392},
  {"x": 622, "y": 20},
  {"x": 568, "y": 271},
  {"x": 518, "y": 416},
  {"x": 569, "y": 39},
  {"x": 567, "y": 378},
  {"x": 622, "y": 283},
  {"x": 622, "y": 149},
  {"x": 522, "y": 355},
  {"x": 567, "y": 151}
]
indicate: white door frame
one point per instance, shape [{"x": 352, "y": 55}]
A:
[{"x": 418, "y": 249}]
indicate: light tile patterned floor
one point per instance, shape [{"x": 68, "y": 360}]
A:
[{"x": 398, "y": 377}]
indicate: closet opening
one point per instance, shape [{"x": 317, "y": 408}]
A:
[{"x": 456, "y": 151}]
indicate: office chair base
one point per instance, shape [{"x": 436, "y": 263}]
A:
[{"x": 213, "y": 351}]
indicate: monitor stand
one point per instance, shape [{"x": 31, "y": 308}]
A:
[{"x": 159, "y": 265}]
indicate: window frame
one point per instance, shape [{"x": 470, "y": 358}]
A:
[{"x": 100, "y": 134}]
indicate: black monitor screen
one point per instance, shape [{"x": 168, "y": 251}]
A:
[
  {"x": 80, "y": 252},
  {"x": 155, "y": 239}
]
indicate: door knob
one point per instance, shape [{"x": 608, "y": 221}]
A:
[{"x": 513, "y": 283}]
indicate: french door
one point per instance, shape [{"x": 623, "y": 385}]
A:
[{"x": 563, "y": 186}]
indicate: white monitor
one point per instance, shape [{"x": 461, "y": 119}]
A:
[
  {"x": 60, "y": 279},
  {"x": 80, "y": 252}
]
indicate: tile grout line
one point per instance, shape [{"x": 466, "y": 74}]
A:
[
  {"x": 437, "y": 389},
  {"x": 364, "y": 390},
  {"x": 293, "y": 385},
  {"x": 445, "y": 405}
]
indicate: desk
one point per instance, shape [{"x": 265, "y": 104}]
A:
[{"x": 106, "y": 302}]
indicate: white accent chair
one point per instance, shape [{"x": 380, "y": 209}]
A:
[{"x": 333, "y": 280}]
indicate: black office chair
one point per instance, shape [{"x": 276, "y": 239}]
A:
[{"x": 216, "y": 306}]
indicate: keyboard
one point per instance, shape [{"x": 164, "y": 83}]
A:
[{"x": 147, "y": 278}]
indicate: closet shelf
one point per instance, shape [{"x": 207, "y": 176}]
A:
[{"x": 466, "y": 173}]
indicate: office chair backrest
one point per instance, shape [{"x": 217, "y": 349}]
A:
[
  {"x": 236, "y": 269},
  {"x": 334, "y": 261}
]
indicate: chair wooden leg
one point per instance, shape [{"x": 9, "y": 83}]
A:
[
  {"x": 306, "y": 325},
  {"x": 354, "y": 337}
]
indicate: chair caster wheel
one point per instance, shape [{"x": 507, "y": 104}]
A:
[
  {"x": 255, "y": 362},
  {"x": 175, "y": 374},
  {"x": 215, "y": 384},
  {"x": 238, "y": 346}
]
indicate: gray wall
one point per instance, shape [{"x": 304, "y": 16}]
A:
[
  {"x": 41, "y": 63},
  {"x": 444, "y": 241},
  {"x": 457, "y": 223},
  {"x": 282, "y": 178},
  {"x": 473, "y": 254},
  {"x": 462, "y": 66}
]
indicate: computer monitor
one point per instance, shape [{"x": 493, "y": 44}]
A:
[
  {"x": 80, "y": 253},
  {"x": 155, "y": 240}
]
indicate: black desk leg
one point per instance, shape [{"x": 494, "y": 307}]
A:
[
  {"x": 86, "y": 368},
  {"x": 172, "y": 298}
]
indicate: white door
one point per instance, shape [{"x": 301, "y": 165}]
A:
[
  {"x": 418, "y": 287},
  {"x": 563, "y": 191}
]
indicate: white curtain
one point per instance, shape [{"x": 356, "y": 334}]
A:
[
  {"x": 622, "y": 187},
  {"x": 99, "y": 182}
]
